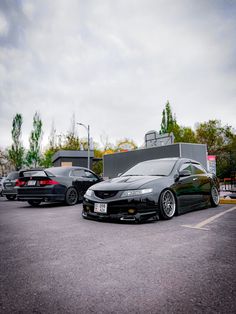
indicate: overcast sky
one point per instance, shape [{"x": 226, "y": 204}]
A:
[{"x": 114, "y": 64}]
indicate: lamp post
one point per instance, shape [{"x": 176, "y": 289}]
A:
[{"x": 88, "y": 130}]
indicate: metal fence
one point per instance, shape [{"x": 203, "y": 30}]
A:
[{"x": 229, "y": 184}]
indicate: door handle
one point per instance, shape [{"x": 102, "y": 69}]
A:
[{"x": 195, "y": 179}]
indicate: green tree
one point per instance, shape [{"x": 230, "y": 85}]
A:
[
  {"x": 213, "y": 134},
  {"x": 97, "y": 167},
  {"x": 220, "y": 141},
  {"x": 33, "y": 155},
  {"x": 170, "y": 125},
  {"x": 16, "y": 152},
  {"x": 46, "y": 159},
  {"x": 168, "y": 122},
  {"x": 72, "y": 142},
  {"x": 71, "y": 139},
  {"x": 163, "y": 129},
  {"x": 226, "y": 158},
  {"x": 184, "y": 135}
]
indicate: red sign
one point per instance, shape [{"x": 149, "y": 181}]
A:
[{"x": 211, "y": 157}]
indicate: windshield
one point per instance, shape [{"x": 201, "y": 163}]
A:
[
  {"x": 34, "y": 173},
  {"x": 54, "y": 171},
  {"x": 157, "y": 167},
  {"x": 59, "y": 171}
]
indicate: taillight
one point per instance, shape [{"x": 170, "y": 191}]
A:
[
  {"x": 47, "y": 182},
  {"x": 20, "y": 182}
]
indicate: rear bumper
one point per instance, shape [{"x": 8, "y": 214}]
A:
[
  {"x": 42, "y": 197},
  {"x": 9, "y": 192},
  {"x": 43, "y": 194}
]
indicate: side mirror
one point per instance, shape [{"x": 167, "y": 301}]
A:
[{"x": 185, "y": 173}]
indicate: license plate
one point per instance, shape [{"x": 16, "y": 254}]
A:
[
  {"x": 100, "y": 208},
  {"x": 31, "y": 182}
]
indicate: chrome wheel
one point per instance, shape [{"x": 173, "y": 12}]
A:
[
  {"x": 215, "y": 197},
  {"x": 167, "y": 204}
]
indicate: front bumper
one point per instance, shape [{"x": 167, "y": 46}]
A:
[{"x": 141, "y": 208}]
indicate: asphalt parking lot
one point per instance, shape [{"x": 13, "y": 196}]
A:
[{"x": 54, "y": 261}]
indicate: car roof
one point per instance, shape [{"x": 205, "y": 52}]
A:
[
  {"x": 69, "y": 168},
  {"x": 173, "y": 158}
]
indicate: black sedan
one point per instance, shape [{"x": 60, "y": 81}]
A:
[
  {"x": 155, "y": 188},
  {"x": 57, "y": 184},
  {"x": 9, "y": 184}
]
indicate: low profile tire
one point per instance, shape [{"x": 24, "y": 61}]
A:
[
  {"x": 168, "y": 204},
  {"x": 215, "y": 197},
  {"x": 71, "y": 197},
  {"x": 34, "y": 203},
  {"x": 10, "y": 197}
]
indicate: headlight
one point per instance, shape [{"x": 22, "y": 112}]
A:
[
  {"x": 136, "y": 192},
  {"x": 89, "y": 192}
]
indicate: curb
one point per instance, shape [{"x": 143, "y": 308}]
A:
[{"x": 227, "y": 201}]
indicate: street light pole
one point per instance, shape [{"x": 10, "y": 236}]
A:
[
  {"x": 88, "y": 130},
  {"x": 88, "y": 147}
]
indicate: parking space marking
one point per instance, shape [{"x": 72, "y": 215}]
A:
[{"x": 205, "y": 222}]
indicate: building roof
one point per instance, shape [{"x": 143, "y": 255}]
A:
[{"x": 72, "y": 154}]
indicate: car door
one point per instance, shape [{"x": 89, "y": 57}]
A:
[
  {"x": 91, "y": 179},
  {"x": 186, "y": 189},
  {"x": 82, "y": 180},
  {"x": 202, "y": 182}
]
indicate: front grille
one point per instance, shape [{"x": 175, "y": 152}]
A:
[{"x": 105, "y": 194}]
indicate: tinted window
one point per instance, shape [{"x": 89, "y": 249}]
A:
[
  {"x": 59, "y": 171},
  {"x": 83, "y": 173},
  {"x": 186, "y": 166},
  {"x": 78, "y": 173},
  {"x": 39, "y": 173},
  {"x": 198, "y": 169},
  {"x": 13, "y": 175},
  {"x": 90, "y": 175},
  {"x": 152, "y": 168}
]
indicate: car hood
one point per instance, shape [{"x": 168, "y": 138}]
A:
[{"x": 124, "y": 183}]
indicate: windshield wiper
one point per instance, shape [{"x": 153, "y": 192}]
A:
[{"x": 158, "y": 175}]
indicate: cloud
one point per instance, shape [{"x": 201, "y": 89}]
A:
[
  {"x": 115, "y": 64},
  {"x": 4, "y": 27}
]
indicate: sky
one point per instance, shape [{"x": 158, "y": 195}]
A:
[{"x": 114, "y": 64}]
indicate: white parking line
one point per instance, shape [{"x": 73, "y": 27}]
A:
[{"x": 201, "y": 225}]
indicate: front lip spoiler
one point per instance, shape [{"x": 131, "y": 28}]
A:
[
  {"x": 128, "y": 219},
  {"x": 135, "y": 218}
]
